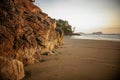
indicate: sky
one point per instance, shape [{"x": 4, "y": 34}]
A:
[{"x": 85, "y": 15}]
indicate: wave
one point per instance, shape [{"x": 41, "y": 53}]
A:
[{"x": 111, "y": 37}]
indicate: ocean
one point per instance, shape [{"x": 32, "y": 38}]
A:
[{"x": 110, "y": 37}]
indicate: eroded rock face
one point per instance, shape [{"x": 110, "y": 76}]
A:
[
  {"x": 11, "y": 69},
  {"x": 26, "y": 31}
]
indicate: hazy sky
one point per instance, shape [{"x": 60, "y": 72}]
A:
[{"x": 86, "y": 15}]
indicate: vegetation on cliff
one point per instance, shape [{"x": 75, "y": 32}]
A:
[{"x": 65, "y": 26}]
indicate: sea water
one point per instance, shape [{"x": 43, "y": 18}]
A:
[{"x": 111, "y": 37}]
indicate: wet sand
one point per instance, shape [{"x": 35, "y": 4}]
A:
[{"x": 80, "y": 60}]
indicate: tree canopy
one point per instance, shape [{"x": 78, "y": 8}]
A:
[{"x": 64, "y": 25}]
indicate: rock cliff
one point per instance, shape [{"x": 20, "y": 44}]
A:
[{"x": 26, "y": 32}]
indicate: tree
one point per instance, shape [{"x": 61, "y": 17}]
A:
[{"x": 64, "y": 25}]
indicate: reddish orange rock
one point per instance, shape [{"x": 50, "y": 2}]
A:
[
  {"x": 25, "y": 33},
  {"x": 11, "y": 69}
]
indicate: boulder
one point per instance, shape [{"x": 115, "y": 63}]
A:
[{"x": 11, "y": 69}]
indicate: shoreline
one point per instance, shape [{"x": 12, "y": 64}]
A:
[
  {"x": 93, "y": 38},
  {"x": 79, "y": 60}
]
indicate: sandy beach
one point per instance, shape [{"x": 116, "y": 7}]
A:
[{"x": 79, "y": 59}]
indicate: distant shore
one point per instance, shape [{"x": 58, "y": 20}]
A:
[
  {"x": 80, "y": 59},
  {"x": 72, "y": 34}
]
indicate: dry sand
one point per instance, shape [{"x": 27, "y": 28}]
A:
[{"x": 80, "y": 60}]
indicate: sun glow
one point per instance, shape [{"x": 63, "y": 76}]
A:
[{"x": 93, "y": 21}]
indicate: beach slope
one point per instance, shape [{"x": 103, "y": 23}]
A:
[{"x": 80, "y": 60}]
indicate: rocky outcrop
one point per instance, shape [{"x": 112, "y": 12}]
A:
[
  {"x": 26, "y": 32},
  {"x": 11, "y": 69}
]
